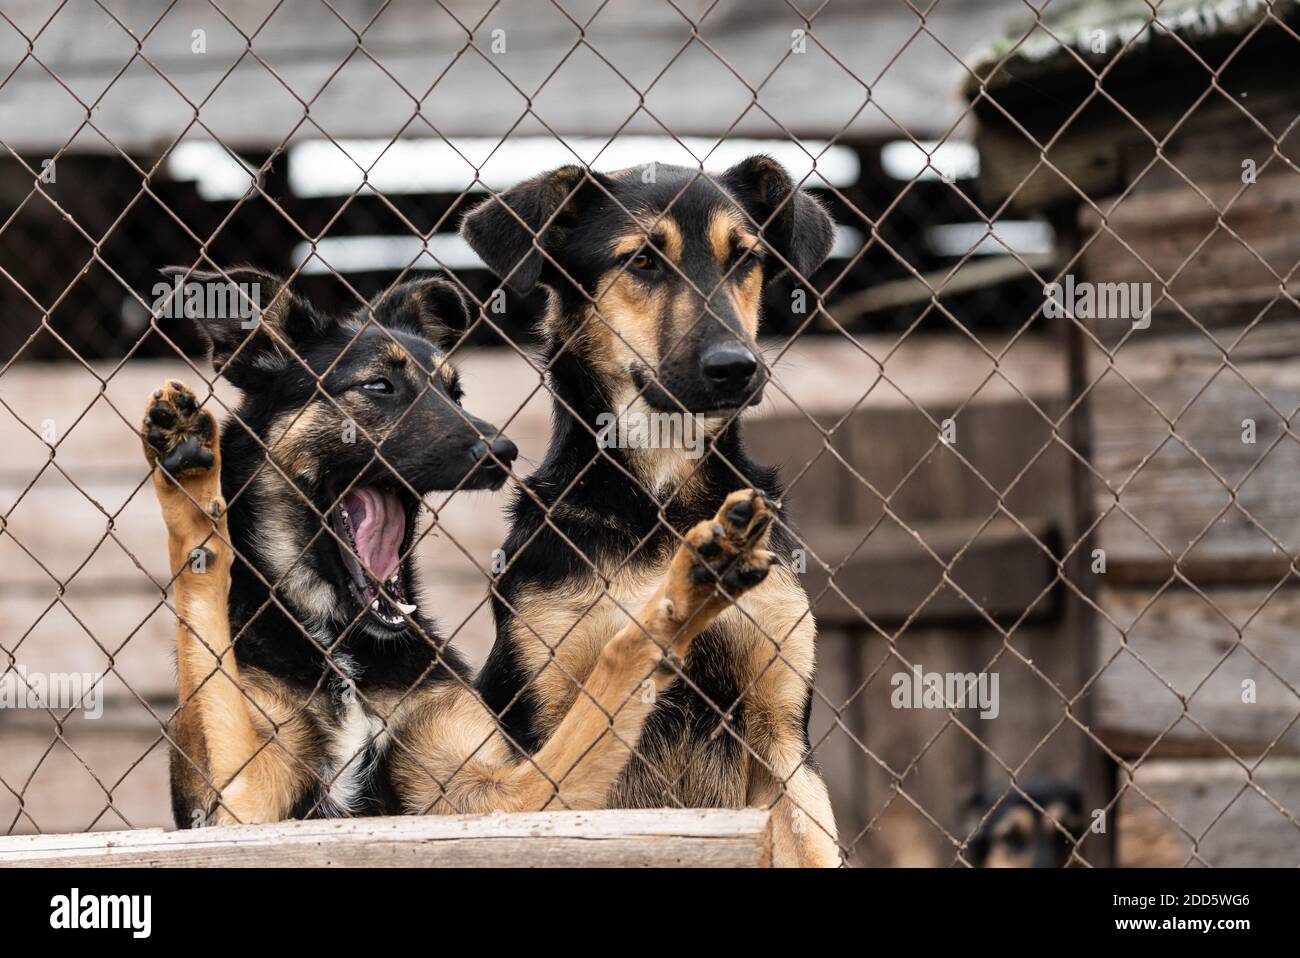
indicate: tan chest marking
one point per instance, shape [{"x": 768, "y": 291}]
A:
[{"x": 559, "y": 634}]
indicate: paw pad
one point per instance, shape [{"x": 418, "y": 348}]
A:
[
  {"x": 728, "y": 551},
  {"x": 178, "y": 436}
]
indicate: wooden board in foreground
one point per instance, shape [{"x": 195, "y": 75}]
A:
[{"x": 716, "y": 838}]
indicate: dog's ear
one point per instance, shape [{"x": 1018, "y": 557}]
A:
[
  {"x": 508, "y": 231},
  {"x": 250, "y": 321},
  {"x": 433, "y": 308},
  {"x": 792, "y": 222}
]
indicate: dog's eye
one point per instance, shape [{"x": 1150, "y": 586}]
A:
[
  {"x": 745, "y": 256},
  {"x": 641, "y": 262},
  {"x": 1016, "y": 840},
  {"x": 380, "y": 385}
]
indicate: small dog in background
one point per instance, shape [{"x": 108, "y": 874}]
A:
[{"x": 1015, "y": 834}]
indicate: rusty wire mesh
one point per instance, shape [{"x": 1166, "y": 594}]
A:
[{"x": 1066, "y": 425}]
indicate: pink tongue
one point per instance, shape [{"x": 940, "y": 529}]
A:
[{"x": 378, "y": 526}]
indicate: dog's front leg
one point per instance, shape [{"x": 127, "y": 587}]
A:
[
  {"x": 803, "y": 825},
  {"x": 180, "y": 441},
  {"x": 721, "y": 559}
]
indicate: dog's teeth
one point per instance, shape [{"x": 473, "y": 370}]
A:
[
  {"x": 375, "y": 605},
  {"x": 408, "y": 609}
]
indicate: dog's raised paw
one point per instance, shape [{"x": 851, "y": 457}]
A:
[
  {"x": 178, "y": 436},
  {"x": 727, "y": 552}
]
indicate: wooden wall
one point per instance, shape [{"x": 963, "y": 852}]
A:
[
  {"x": 889, "y": 510},
  {"x": 1200, "y": 596}
]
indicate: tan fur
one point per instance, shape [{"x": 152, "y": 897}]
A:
[
  {"x": 1018, "y": 819},
  {"x": 623, "y": 325},
  {"x": 278, "y": 545},
  {"x": 294, "y": 441},
  {"x": 559, "y": 636},
  {"x": 747, "y": 297},
  {"x": 292, "y": 437},
  {"x": 255, "y": 782},
  {"x": 727, "y": 233},
  {"x": 663, "y": 234},
  {"x": 723, "y": 231},
  {"x": 564, "y": 632},
  {"x": 598, "y": 726},
  {"x": 393, "y": 355}
]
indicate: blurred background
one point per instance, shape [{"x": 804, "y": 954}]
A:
[{"x": 1070, "y": 503}]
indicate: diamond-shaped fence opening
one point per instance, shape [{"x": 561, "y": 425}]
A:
[{"x": 1034, "y": 412}]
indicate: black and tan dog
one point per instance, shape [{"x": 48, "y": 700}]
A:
[
  {"x": 311, "y": 682},
  {"x": 654, "y": 278},
  {"x": 1038, "y": 825}
]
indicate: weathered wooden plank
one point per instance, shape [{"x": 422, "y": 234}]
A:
[
  {"x": 921, "y": 768},
  {"x": 672, "y": 838},
  {"x": 973, "y": 274},
  {"x": 1213, "y": 810},
  {"x": 1171, "y": 237},
  {"x": 109, "y": 773},
  {"x": 915, "y": 820},
  {"x": 1012, "y": 169},
  {"x": 1204, "y": 650},
  {"x": 1099, "y": 152},
  {"x": 1003, "y": 455},
  {"x": 1032, "y": 736},
  {"x": 1003, "y": 445},
  {"x": 1003, "y": 570},
  {"x": 836, "y": 726},
  {"x": 821, "y": 375},
  {"x": 1183, "y": 382}
]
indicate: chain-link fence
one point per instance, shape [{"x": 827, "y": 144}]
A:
[{"x": 1033, "y": 410}]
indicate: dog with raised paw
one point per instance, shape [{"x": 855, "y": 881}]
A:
[{"x": 654, "y": 277}]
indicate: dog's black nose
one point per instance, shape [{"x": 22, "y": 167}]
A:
[
  {"x": 505, "y": 451},
  {"x": 729, "y": 366}
]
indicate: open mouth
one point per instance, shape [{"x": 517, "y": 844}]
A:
[{"x": 374, "y": 525}]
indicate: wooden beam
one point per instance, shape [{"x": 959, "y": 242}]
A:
[
  {"x": 1205, "y": 649},
  {"x": 715, "y": 838},
  {"x": 1226, "y": 489},
  {"x": 966, "y": 277},
  {"x": 892, "y": 575}
]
